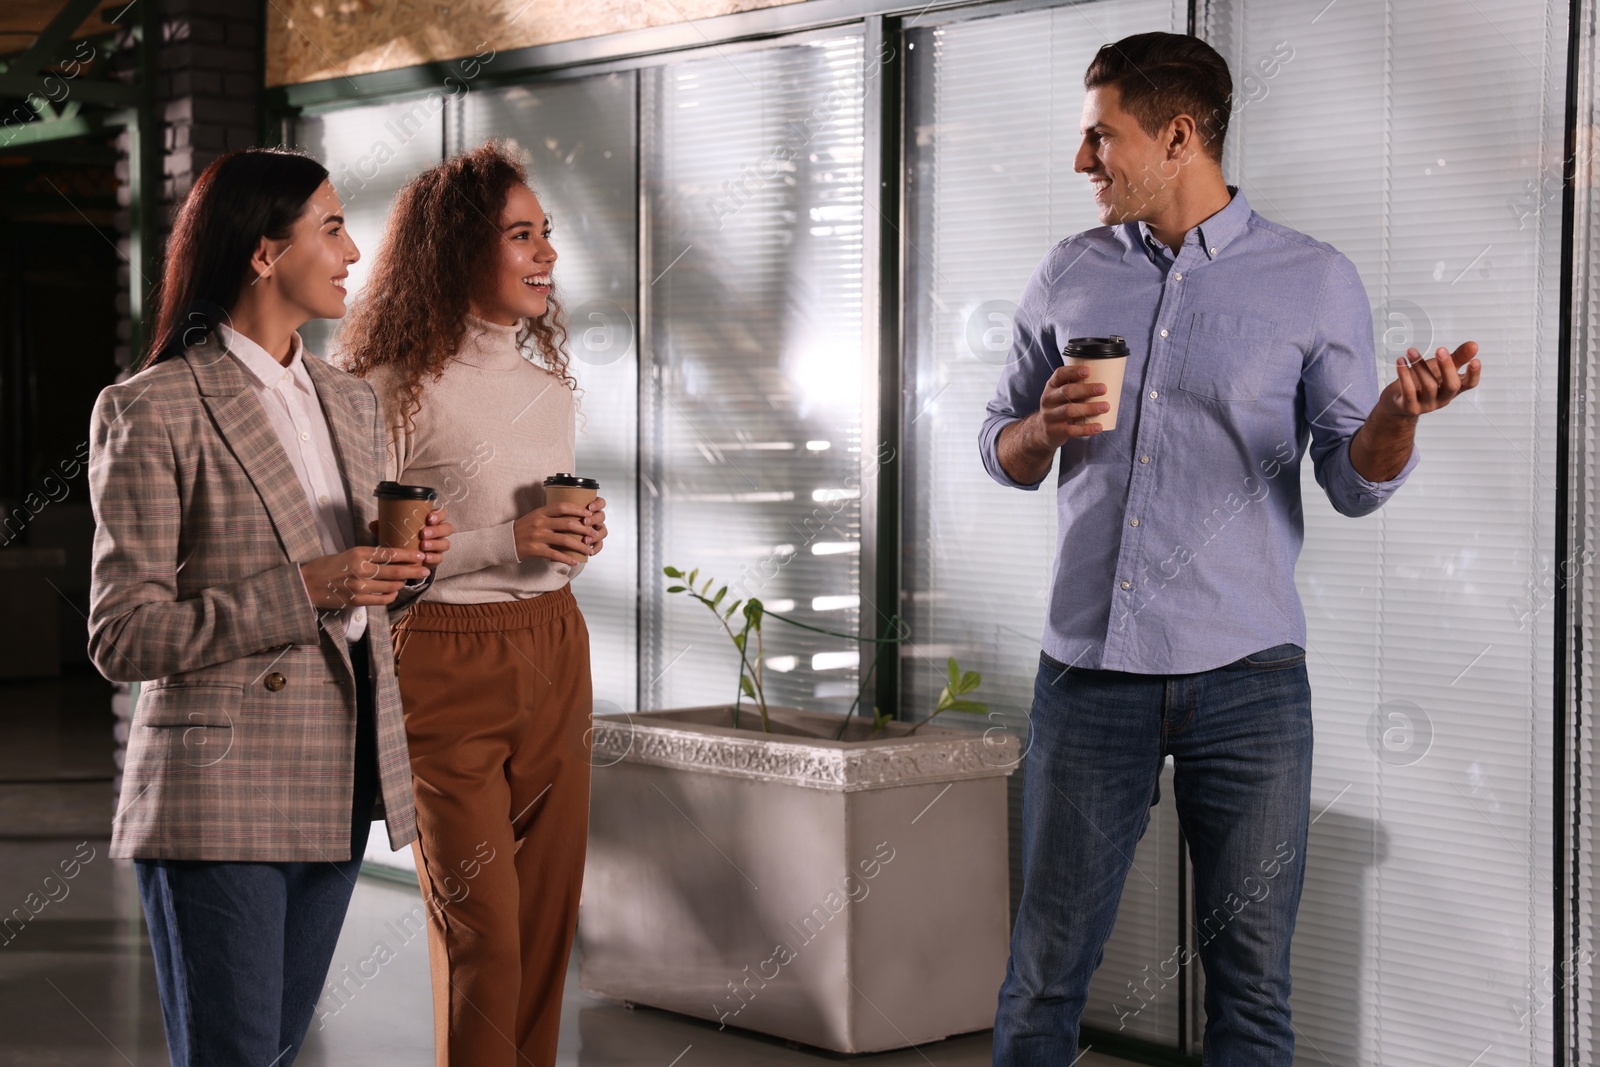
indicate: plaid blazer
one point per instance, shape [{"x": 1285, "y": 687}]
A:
[{"x": 243, "y": 737}]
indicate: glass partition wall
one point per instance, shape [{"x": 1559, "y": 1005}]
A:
[
  {"x": 992, "y": 127},
  {"x": 1427, "y": 926},
  {"x": 714, "y": 209},
  {"x": 752, "y": 404}
]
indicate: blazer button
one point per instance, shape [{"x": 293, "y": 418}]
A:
[{"x": 275, "y": 681}]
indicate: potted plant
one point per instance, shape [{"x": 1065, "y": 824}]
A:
[{"x": 837, "y": 882}]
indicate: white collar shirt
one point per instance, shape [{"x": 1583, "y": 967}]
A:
[{"x": 289, "y": 398}]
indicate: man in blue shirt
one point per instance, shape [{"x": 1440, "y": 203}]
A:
[{"x": 1174, "y": 625}]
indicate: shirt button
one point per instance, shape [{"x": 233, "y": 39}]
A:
[
  {"x": 1133, "y": 522},
  {"x": 1127, "y": 585},
  {"x": 1144, "y": 459},
  {"x": 1163, "y": 333},
  {"x": 1178, "y": 277},
  {"x": 323, "y": 499},
  {"x": 1154, "y": 394},
  {"x": 305, "y": 437},
  {"x": 1213, "y": 251}
]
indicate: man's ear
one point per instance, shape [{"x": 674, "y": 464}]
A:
[{"x": 1182, "y": 137}]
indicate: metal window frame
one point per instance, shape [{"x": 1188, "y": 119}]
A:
[{"x": 1568, "y": 640}]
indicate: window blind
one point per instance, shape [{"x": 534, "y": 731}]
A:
[
  {"x": 1574, "y": 975},
  {"x": 580, "y": 135},
  {"x": 370, "y": 152},
  {"x": 1409, "y": 139},
  {"x": 751, "y": 403},
  {"x": 993, "y": 110},
  {"x": 1408, "y": 136}
]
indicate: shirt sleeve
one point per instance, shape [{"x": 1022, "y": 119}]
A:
[
  {"x": 1341, "y": 387},
  {"x": 1034, "y": 356}
]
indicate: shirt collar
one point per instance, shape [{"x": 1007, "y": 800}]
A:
[
  {"x": 1213, "y": 235},
  {"x": 266, "y": 371}
]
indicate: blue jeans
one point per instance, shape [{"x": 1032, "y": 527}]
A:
[
  {"x": 242, "y": 949},
  {"x": 1240, "y": 738}
]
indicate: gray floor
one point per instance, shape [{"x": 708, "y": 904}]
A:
[{"x": 76, "y": 982}]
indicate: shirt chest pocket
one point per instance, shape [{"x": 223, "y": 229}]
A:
[{"x": 1232, "y": 358}]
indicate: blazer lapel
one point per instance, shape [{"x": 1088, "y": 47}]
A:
[{"x": 225, "y": 390}]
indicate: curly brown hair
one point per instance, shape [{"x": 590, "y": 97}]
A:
[{"x": 412, "y": 313}]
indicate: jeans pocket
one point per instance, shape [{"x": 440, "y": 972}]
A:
[{"x": 1275, "y": 658}]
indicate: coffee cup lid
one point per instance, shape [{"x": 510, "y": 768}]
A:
[
  {"x": 396, "y": 491},
  {"x": 1113, "y": 347},
  {"x": 571, "y": 481}
]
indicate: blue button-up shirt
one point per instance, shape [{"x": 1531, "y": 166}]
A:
[{"x": 1179, "y": 529}]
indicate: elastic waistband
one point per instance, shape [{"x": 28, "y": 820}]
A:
[{"x": 496, "y": 616}]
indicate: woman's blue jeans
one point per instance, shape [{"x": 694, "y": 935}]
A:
[{"x": 1240, "y": 738}]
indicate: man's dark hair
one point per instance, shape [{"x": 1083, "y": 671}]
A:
[{"x": 1163, "y": 75}]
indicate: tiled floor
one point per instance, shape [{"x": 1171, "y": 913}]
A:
[{"x": 76, "y": 983}]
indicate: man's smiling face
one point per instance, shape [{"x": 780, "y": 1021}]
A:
[{"x": 1125, "y": 165}]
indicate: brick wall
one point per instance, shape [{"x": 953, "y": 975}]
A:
[{"x": 207, "y": 100}]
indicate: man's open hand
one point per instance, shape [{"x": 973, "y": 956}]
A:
[{"x": 1426, "y": 385}]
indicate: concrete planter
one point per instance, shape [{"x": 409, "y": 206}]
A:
[{"x": 851, "y": 895}]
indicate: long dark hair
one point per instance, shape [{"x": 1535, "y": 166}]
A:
[
  {"x": 236, "y": 201},
  {"x": 435, "y": 258}
]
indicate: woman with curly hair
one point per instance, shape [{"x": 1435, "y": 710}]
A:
[{"x": 460, "y": 333}]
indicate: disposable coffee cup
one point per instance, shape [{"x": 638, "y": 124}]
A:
[
  {"x": 570, "y": 489},
  {"x": 402, "y": 513},
  {"x": 1107, "y": 359}
]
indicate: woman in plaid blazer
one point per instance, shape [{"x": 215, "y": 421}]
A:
[{"x": 235, "y": 579}]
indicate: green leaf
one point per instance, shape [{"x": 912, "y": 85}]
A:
[
  {"x": 672, "y": 572},
  {"x": 731, "y": 609},
  {"x": 970, "y": 681},
  {"x": 720, "y": 594},
  {"x": 674, "y": 588},
  {"x": 971, "y": 707},
  {"x": 747, "y": 686},
  {"x": 693, "y": 575},
  {"x": 946, "y": 701},
  {"x": 955, "y": 673},
  {"x": 706, "y": 588},
  {"x": 753, "y": 612},
  {"x": 738, "y": 642}
]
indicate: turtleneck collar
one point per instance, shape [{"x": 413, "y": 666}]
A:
[{"x": 490, "y": 346}]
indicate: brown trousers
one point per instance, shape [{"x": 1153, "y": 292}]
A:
[{"x": 497, "y": 700}]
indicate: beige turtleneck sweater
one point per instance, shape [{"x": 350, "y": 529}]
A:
[{"x": 488, "y": 434}]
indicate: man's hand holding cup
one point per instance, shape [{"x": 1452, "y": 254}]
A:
[{"x": 1070, "y": 404}]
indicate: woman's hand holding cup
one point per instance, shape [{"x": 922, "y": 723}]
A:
[
  {"x": 364, "y": 576},
  {"x": 596, "y": 521},
  {"x": 555, "y": 532},
  {"x": 433, "y": 539}
]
